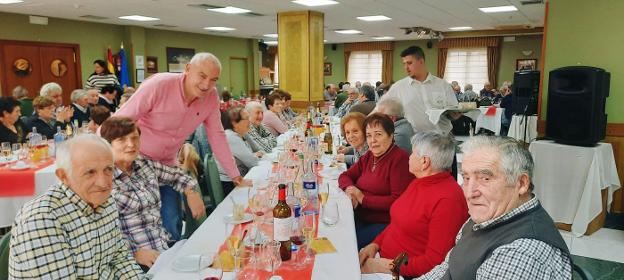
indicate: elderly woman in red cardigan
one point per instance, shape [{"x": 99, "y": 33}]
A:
[
  {"x": 377, "y": 179},
  {"x": 427, "y": 216}
]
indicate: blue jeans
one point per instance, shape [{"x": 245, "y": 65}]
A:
[
  {"x": 366, "y": 232},
  {"x": 171, "y": 212}
]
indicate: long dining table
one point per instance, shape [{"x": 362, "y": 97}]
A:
[{"x": 342, "y": 264}]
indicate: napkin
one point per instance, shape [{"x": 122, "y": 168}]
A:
[
  {"x": 491, "y": 111},
  {"x": 322, "y": 245}
]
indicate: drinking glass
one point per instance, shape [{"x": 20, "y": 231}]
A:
[
  {"x": 245, "y": 265},
  {"x": 274, "y": 257},
  {"x": 324, "y": 194},
  {"x": 6, "y": 149},
  {"x": 330, "y": 215},
  {"x": 308, "y": 230}
]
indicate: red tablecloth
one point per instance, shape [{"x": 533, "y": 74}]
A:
[{"x": 20, "y": 182}]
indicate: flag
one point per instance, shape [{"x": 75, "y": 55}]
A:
[
  {"x": 124, "y": 75},
  {"x": 109, "y": 59}
]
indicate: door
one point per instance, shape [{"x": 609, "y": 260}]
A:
[
  {"x": 21, "y": 67},
  {"x": 238, "y": 76},
  {"x": 59, "y": 66}
]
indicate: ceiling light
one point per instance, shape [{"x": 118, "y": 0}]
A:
[
  {"x": 374, "y": 18},
  {"x": 271, "y": 43},
  {"x": 499, "y": 9},
  {"x": 139, "y": 18},
  {"x": 219, "y": 28},
  {"x": 229, "y": 10},
  {"x": 460, "y": 28},
  {"x": 348, "y": 31},
  {"x": 6, "y": 2},
  {"x": 383, "y": 38},
  {"x": 324, "y": 41},
  {"x": 270, "y": 35},
  {"x": 314, "y": 3}
]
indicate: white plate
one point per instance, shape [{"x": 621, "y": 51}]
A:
[
  {"x": 230, "y": 220},
  {"x": 193, "y": 263},
  {"x": 20, "y": 167}
]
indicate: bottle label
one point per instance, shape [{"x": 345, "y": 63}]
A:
[
  {"x": 281, "y": 228},
  {"x": 309, "y": 185}
]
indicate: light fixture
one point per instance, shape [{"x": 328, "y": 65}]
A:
[
  {"x": 271, "y": 43},
  {"x": 499, "y": 9},
  {"x": 229, "y": 10},
  {"x": 219, "y": 28},
  {"x": 374, "y": 18},
  {"x": 460, "y": 28},
  {"x": 348, "y": 31},
  {"x": 270, "y": 35},
  {"x": 315, "y": 3},
  {"x": 383, "y": 38},
  {"x": 138, "y": 18},
  {"x": 423, "y": 32},
  {"x": 324, "y": 41},
  {"x": 6, "y": 2}
]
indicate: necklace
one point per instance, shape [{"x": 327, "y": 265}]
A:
[{"x": 377, "y": 160}]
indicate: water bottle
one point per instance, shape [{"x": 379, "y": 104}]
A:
[
  {"x": 310, "y": 187},
  {"x": 59, "y": 137}
]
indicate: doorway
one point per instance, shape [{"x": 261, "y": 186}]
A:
[{"x": 239, "y": 82}]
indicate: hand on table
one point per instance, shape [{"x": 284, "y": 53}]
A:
[
  {"x": 259, "y": 154},
  {"x": 368, "y": 252},
  {"x": 240, "y": 182},
  {"x": 340, "y": 157},
  {"x": 146, "y": 257},
  {"x": 342, "y": 149},
  {"x": 380, "y": 265},
  {"x": 195, "y": 203}
]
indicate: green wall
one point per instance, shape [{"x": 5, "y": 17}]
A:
[
  {"x": 587, "y": 33},
  {"x": 336, "y": 58},
  {"x": 511, "y": 51}
]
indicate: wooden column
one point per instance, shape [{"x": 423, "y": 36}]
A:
[{"x": 300, "y": 51}]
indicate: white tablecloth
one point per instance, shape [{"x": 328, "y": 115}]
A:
[
  {"x": 520, "y": 124},
  {"x": 343, "y": 264},
  {"x": 492, "y": 123},
  {"x": 568, "y": 181},
  {"x": 9, "y": 206}
]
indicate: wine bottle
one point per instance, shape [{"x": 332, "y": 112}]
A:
[
  {"x": 282, "y": 224},
  {"x": 329, "y": 140}
]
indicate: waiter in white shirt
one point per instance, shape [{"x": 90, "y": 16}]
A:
[{"x": 421, "y": 91}]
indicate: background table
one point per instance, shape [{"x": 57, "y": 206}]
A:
[
  {"x": 492, "y": 123},
  {"x": 569, "y": 179},
  {"x": 9, "y": 206},
  {"x": 520, "y": 124}
]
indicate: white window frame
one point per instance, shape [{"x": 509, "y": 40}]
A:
[
  {"x": 365, "y": 66},
  {"x": 467, "y": 66}
]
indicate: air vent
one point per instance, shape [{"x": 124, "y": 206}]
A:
[
  {"x": 93, "y": 17},
  {"x": 165, "y": 25}
]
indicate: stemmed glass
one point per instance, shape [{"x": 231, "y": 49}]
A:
[{"x": 308, "y": 230}]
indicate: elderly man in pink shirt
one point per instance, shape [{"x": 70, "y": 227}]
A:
[{"x": 168, "y": 107}]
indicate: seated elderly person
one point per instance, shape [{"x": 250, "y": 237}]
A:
[
  {"x": 98, "y": 114},
  {"x": 426, "y": 217},
  {"x": 236, "y": 124},
  {"x": 93, "y": 96},
  {"x": 11, "y": 129},
  {"x": 367, "y": 100},
  {"x": 44, "y": 120},
  {"x": 136, "y": 183},
  {"x": 21, "y": 94},
  {"x": 376, "y": 180},
  {"x": 487, "y": 91},
  {"x": 70, "y": 232},
  {"x": 509, "y": 235},
  {"x": 469, "y": 94},
  {"x": 272, "y": 120},
  {"x": 258, "y": 137},
  {"x": 288, "y": 113},
  {"x": 403, "y": 130},
  {"x": 352, "y": 126},
  {"x": 80, "y": 104},
  {"x": 352, "y": 99},
  {"x": 55, "y": 93}
]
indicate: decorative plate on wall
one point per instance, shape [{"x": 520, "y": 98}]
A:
[
  {"x": 22, "y": 67},
  {"x": 58, "y": 68}
]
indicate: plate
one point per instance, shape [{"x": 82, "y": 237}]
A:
[
  {"x": 193, "y": 263},
  {"x": 246, "y": 219},
  {"x": 20, "y": 167}
]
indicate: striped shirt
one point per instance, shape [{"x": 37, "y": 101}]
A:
[
  {"x": 260, "y": 139},
  {"x": 99, "y": 81},
  {"x": 522, "y": 259},
  {"x": 59, "y": 236},
  {"x": 138, "y": 200}
]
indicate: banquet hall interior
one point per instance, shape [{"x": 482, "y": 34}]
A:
[{"x": 545, "y": 72}]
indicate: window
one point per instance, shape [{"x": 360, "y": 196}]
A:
[
  {"x": 467, "y": 66},
  {"x": 365, "y": 67}
]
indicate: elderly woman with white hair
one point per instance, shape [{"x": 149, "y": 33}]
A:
[
  {"x": 403, "y": 130},
  {"x": 469, "y": 94},
  {"x": 55, "y": 92},
  {"x": 80, "y": 104},
  {"x": 258, "y": 137}
]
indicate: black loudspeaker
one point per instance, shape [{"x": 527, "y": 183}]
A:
[
  {"x": 524, "y": 93},
  {"x": 263, "y": 47},
  {"x": 334, "y": 47},
  {"x": 576, "y": 105},
  {"x": 429, "y": 44}
]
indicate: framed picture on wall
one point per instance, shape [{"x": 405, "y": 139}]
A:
[
  {"x": 327, "y": 68},
  {"x": 526, "y": 64},
  {"x": 177, "y": 58},
  {"x": 151, "y": 64}
]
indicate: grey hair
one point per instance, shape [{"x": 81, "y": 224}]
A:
[
  {"x": 515, "y": 159},
  {"x": 437, "y": 146},
  {"x": 49, "y": 88},
  {"x": 65, "y": 150},
  {"x": 198, "y": 58},
  {"x": 468, "y": 87},
  {"x": 391, "y": 107},
  {"x": 253, "y": 105},
  {"x": 77, "y": 94},
  {"x": 345, "y": 87},
  {"x": 368, "y": 91},
  {"x": 20, "y": 92}
]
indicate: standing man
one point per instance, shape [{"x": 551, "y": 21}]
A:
[
  {"x": 168, "y": 107},
  {"x": 421, "y": 91}
]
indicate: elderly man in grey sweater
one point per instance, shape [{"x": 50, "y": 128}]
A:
[{"x": 403, "y": 131}]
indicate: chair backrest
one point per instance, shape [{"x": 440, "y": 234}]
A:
[
  {"x": 211, "y": 173},
  {"x": 583, "y": 273},
  {"x": 4, "y": 256}
]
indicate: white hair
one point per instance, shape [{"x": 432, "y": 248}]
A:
[
  {"x": 437, "y": 146},
  {"x": 198, "y": 58},
  {"x": 77, "y": 94},
  {"x": 253, "y": 105},
  {"x": 515, "y": 160},
  {"x": 468, "y": 87},
  {"x": 49, "y": 88},
  {"x": 391, "y": 107},
  {"x": 65, "y": 150}
]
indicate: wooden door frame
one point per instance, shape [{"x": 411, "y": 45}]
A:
[
  {"x": 75, "y": 47},
  {"x": 246, "y": 60}
]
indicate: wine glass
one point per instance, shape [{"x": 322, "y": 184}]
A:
[
  {"x": 297, "y": 238},
  {"x": 324, "y": 194},
  {"x": 308, "y": 230},
  {"x": 16, "y": 149}
]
